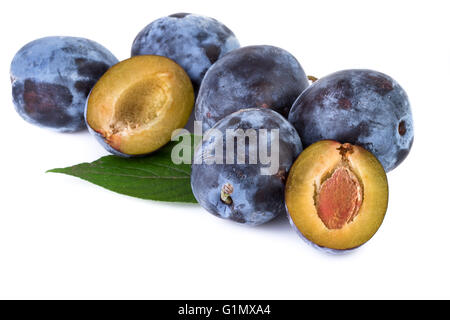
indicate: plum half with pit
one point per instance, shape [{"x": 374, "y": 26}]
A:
[
  {"x": 362, "y": 107},
  {"x": 51, "y": 78},
  {"x": 336, "y": 195}
]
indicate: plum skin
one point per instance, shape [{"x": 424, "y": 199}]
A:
[
  {"x": 256, "y": 198},
  {"x": 51, "y": 78},
  {"x": 193, "y": 41},
  {"x": 253, "y": 76},
  {"x": 362, "y": 107}
]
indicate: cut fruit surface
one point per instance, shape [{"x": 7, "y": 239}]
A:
[
  {"x": 337, "y": 194},
  {"x": 138, "y": 103}
]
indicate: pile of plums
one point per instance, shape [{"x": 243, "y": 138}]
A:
[{"x": 334, "y": 137}]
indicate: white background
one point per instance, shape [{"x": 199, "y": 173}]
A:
[{"x": 61, "y": 237}]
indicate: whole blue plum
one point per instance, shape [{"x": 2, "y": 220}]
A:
[
  {"x": 362, "y": 107},
  {"x": 245, "y": 187},
  {"x": 253, "y": 76},
  {"x": 51, "y": 78},
  {"x": 193, "y": 41}
]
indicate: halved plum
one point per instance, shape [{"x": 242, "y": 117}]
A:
[
  {"x": 137, "y": 104},
  {"x": 336, "y": 194}
]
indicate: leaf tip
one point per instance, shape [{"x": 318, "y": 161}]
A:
[{"x": 56, "y": 170}]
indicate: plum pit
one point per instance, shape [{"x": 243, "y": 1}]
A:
[{"x": 339, "y": 198}]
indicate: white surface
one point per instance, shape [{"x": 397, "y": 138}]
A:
[{"x": 61, "y": 237}]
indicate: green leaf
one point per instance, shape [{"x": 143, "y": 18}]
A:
[{"x": 154, "y": 177}]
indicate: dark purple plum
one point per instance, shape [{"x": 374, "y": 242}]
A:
[
  {"x": 194, "y": 42},
  {"x": 245, "y": 189},
  {"x": 362, "y": 107},
  {"x": 52, "y": 77},
  {"x": 254, "y": 76}
]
